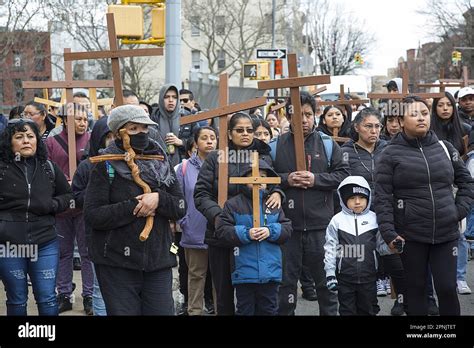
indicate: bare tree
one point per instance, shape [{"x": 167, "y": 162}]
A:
[
  {"x": 85, "y": 23},
  {"x": 230, "y": 31},
  {"x": 335, "y": 39}
]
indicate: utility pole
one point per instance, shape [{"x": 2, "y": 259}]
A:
[{"x": 173, "y": 42}]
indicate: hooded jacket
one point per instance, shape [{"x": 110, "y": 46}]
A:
[
  {"x": 414, "y": 190},
  {"x": 253, "y": 261},
  {"x": 351, "y": 241},
  {"x": 310, "y": 209},
  {"x": 30, "y": 196},
  {"x": 205, "y": 192},
  {"x": 193, "y": 224}
]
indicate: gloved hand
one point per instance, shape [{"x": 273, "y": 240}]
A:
[{"x": 331, "y": 283}]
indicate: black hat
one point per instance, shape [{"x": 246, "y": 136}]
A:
[{"x": 350, "y": 190}]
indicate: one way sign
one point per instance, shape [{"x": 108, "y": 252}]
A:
[{"x": 271, "y": 53}]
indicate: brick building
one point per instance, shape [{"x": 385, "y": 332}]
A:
[{"x": 24, "y": 56}]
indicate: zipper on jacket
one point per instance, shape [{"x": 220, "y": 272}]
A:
[
  {"x": 357, "y": 243},
  {"x": 431, "y": 189}
]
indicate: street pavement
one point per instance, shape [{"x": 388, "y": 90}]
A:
[{"x": 304, "y": 307}]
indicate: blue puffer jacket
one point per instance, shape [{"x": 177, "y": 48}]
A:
[{"x": 254, "y": 262}]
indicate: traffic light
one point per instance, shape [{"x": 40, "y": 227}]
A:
[
  {"x": 459, "y": 55},
  {"x": 358, "y": 59},
  {"x": 454, "y": 56},
  {"x": 257, "y": 70}
]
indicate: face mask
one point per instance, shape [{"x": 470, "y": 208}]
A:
[{"x": 139, "y": 141}]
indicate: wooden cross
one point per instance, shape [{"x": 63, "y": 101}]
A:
[
  {"x": 69, "y": 84},
  {"x": 441, "y": 85},
  {"x": 404, "y": 92},
  {"x": 464, "y": 82},
  {"x": 114, "y": 54},
  {"x": 129, "y": 156},
  {"x": 294, "y": 83},
  {"x": 255, "y": 180},
  {"x": 341, "y": 100},
  {"x": 222, "y": 111}
]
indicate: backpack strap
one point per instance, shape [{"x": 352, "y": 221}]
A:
[
  {"x": 52, "y": 173},
  {"x": 183, "y": 167},
  {"x": 110, "y": 171},
  {"x": 64, "y": 146},
  {"x": 445, "y": 149},
  {"x": 328, "y": 146}
]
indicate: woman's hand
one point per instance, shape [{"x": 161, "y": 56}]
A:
[
  {"x": 274, "y": 201},
  {"x": 259, "y": 233},
  {"x": 173, "y": 140},
  {"x": 147, "y": 204},
  {"x": 393, "y": 244}
]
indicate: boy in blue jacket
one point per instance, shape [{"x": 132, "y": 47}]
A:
[{"x": 257, "y": 264}]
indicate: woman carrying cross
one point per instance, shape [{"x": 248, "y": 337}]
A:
[{"x": 135, "y": 276}]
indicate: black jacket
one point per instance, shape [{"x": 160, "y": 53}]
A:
[
  {"x": 313, "y": 208},
  {"x": 108, "y": 209},
  {"x": 414, "y": 190},
  {"x": 361, "y": 161},
  {"x": 205, "y": 192},
  {"x": 27, "y": 215}
]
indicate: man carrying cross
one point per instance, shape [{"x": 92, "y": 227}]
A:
[{"x": 309, "y": 205}]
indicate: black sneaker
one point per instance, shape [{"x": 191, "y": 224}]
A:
[
  {"x": 397, "y": 309},
  {"x": 310, "y": 295},
  {"x": 432, "y": 307},
  {"x": 87, "y": 302},
  {"x": 64, "y": 303},
  {"x": 76, "y": 264},
  {"x": 209, "y": 307}
]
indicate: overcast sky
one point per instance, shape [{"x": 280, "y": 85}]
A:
[{"x": 397, "y": 26}]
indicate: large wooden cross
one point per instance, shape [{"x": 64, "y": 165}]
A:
[
  {"x": 294, "y": 83},
  {"x": 255, "y": 180},
  {"x": 222, "y": 112},
  {"x": 114, "y": 54},
  {"x": 69, "y": 84},
  {"x": 442, "y": 85},
  {"x": 404, "y": 92},
  {"x": 463, "y": 82},
  {"x": 341, "y": 100}
]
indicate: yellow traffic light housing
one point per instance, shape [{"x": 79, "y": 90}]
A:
[{"x": 257, "y": 70}]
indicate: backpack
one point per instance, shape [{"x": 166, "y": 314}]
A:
[{"x": 327, "y": 144}]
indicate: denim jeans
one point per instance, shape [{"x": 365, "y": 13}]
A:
[
  {"x": 98, "y": 305},
  {"x": 42, "y": 272},
  {"x": 462, "y": 257}
]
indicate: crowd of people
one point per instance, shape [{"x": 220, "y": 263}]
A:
[{"x": 381, "y": 210}]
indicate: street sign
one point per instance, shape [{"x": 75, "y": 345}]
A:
[
  {"x": 250, "y": 70},
  {"x": 271, "y": 53}
]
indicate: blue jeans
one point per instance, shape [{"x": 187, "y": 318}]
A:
[
  {"x": 98, "y": 305},
  {"x": 42, "y": 272},
  {"x": 462, "y": 257}
]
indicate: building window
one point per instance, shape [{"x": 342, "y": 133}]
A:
[
  {"x": 220, "y": 25},
  {"x": 221, "y": 59},
  {"x": 195, "y": 26},
  {"x": 1, "y": 92},
  {"x": 19, "y": 93},
  {"x": 39, "y": 61},
  {"x": 17, "y": 61},
  {"x": 196, "y": 59}
]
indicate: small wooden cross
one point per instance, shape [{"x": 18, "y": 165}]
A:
[
  {"x": 222, "y": 112},
  {"x": 404, "y": 92},
  {"x": 464, "y": 82},
  {"x": 69, "y": 84},
  {"x": 255, "y": 180},
  {"x": 294, "y": 83},
  {"x": 341, "y": 100},
  {"x": 129, "y": 156},
  {"x": 114, "y": 54}
]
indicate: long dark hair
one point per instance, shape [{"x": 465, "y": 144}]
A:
[
  {"x": 346, "y": 124},
  {"x": 258, "y": 122},
  {"x": 6, "y": 153},
  {"x": 450, "y": 130}
]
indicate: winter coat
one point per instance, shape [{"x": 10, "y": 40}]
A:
[
  {"x": 414, "y": 190},
  {"x": 351, "y": 241},
  {"x": 310, "y": 209},
  {"x": 193, "y": 224},
  {"x": 31, "y": 193},
  {"x": 108, "y": 209},
  {"x": 205, "y": 192},
  {"x": 253, "y": 261}
]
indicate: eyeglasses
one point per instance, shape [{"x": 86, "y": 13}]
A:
[
  {"x": 242, "y": 130},
  {"x": 19, "y": 120},
  {"x": 29, "y": 114},
  {"x": 372, "y": 126},
  {"x": 184, "y": 100}
]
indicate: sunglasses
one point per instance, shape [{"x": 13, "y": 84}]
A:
[
  {"x": 184, "y": 100},
  {"x": 242, "y": 130},
  {"x": 20, "y": 120}
]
